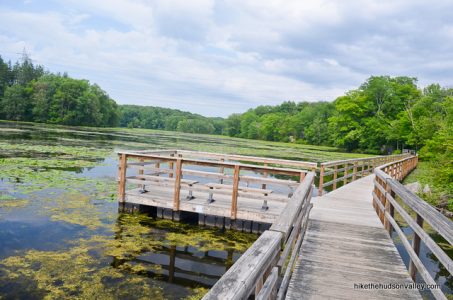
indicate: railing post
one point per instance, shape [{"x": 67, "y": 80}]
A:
[
  {"x": 177, "y": 191},
  {"x": 354, "y": 171},
  {"x": 335, "y": 175},
  {"x": 157, "y": 166},
  {"x": 363, "y": 169},
  {"x": 171, "y": 167},
  {"x": 234, "y": 195},
  {"x": 382, "y": 199},
  {"x": 301, "y": 177},
  {"x": 416, "y": 247},
  {"x": 122, "y": 178},
  {"x": 345, "y": 174},
  {"x": 388, "y": 208},
  {"x": 321, "y": 180}
]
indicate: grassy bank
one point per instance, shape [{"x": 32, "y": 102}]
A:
[{"x": 441, "y": 192}]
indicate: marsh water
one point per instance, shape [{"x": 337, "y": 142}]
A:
[
  {"x": 61, "y": 235},
  {"x": 60, "y": 231}
]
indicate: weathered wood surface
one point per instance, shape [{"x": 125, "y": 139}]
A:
[
  {"x": 386, "y": 190},
  {"x": 248, "y": 208},
  {"x": 294, "y": 207},
  {"x": 346, "y": 244},
  {"x": 247, "y": 269}
]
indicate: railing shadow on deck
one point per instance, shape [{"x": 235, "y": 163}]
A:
[{"x": 390, "y": 195}]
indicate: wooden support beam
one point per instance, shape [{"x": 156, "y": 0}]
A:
[
  {"x": 388, "y": 207},
  {"x": 416, "y": 247},
  {"x": 354, "y": 171},
  {"x": 345, "y": 176},
  {"x": 335, "y": 175},
  {"x": 302, "y": 176},
  {"x": 122, "y": 178},
  {"x": 157, "y": 165},
  {"x": 234, "y": 196},
  {"x": 177, "y": 192},
  {"x": 321, "y": 180},
  {"x": 171, "y": 166}
]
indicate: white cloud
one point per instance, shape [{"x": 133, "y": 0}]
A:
[{"x": 219, "y": 57}]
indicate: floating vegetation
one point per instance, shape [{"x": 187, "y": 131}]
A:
[
  {"x": 197, "y": 293},
  {"x": 105, "y": 267},
  {"x": 206, "y": 239},
  {"x": 75, "y": 274},
  {"x": 66, "y": 176},
  {"x": 13, "y": 203}
]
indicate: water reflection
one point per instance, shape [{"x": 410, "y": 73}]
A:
[{"x": 429, "y": 260}]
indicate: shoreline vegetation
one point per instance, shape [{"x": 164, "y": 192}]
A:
[{"x": 382, "y": 116}]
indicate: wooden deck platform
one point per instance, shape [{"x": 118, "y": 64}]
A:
[
  {"x": 248, "y": 208},
  {"x": 347, "y": 245},
  {"x": 231, "y": 188}
]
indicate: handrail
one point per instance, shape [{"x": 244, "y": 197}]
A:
[
  {"x": 276, "y": 161},
  {"x": 255, "y": 269},
  {"x": 387, "y": 189},
  {"x": 343, "y": 167},
  {"x": 152, "y": 160}
]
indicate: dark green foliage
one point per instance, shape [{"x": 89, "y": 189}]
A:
[
  {"x": 289, "y": 121},
  {"x": 27, "y": 93},
  {"x": 150, "y": 117}
]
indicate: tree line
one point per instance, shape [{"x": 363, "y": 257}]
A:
[
  {"x": 135, "y": 116},
  {"x": 29, "y": 93},
  {"x": 383, "y": 115}
]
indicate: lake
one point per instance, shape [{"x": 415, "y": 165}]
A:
[{"x": 62, "y": 236}]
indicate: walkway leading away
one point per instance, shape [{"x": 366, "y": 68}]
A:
[{"x": 346, "y": 244}]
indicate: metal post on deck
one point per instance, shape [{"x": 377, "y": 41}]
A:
[{"x": 221, "y": 170}]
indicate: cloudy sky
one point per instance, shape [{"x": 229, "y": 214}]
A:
[{"x": 220, "y": 57}]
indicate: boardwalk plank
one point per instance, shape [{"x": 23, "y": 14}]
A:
[{"x": 346, "y": 244}]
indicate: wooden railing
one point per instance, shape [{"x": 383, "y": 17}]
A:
[
  {"x": 272, "y": 255},
  {"x": 344, "y": 171},
  {"x": 390, "y": 196},
  {"x": 226, "y": 168}
]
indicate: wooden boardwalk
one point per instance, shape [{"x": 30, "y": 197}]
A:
[{"x": 346, "y": 244}]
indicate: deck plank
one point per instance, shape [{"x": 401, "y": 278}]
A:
[{"x": 346, "y": 244}]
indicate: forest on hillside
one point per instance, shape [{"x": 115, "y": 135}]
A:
[
  {"x": 382, "y": 116},
  {"x": 29, "y": 93}
]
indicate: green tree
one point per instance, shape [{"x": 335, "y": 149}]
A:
[{"x": 15, "y": 104}]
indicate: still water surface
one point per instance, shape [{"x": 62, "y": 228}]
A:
[{"x": 61, "y": 235}]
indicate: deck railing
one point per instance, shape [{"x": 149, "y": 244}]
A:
[
  {"x": 389, "y": 196},
  {"x": 272, "y": 255},
  {"x": 344, "y": 171},
  {"x": 177, "y": 172}
]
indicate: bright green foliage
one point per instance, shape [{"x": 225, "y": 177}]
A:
[
  {"x": 27, "y": 93},
  {"x": 287, "y": 122}
]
